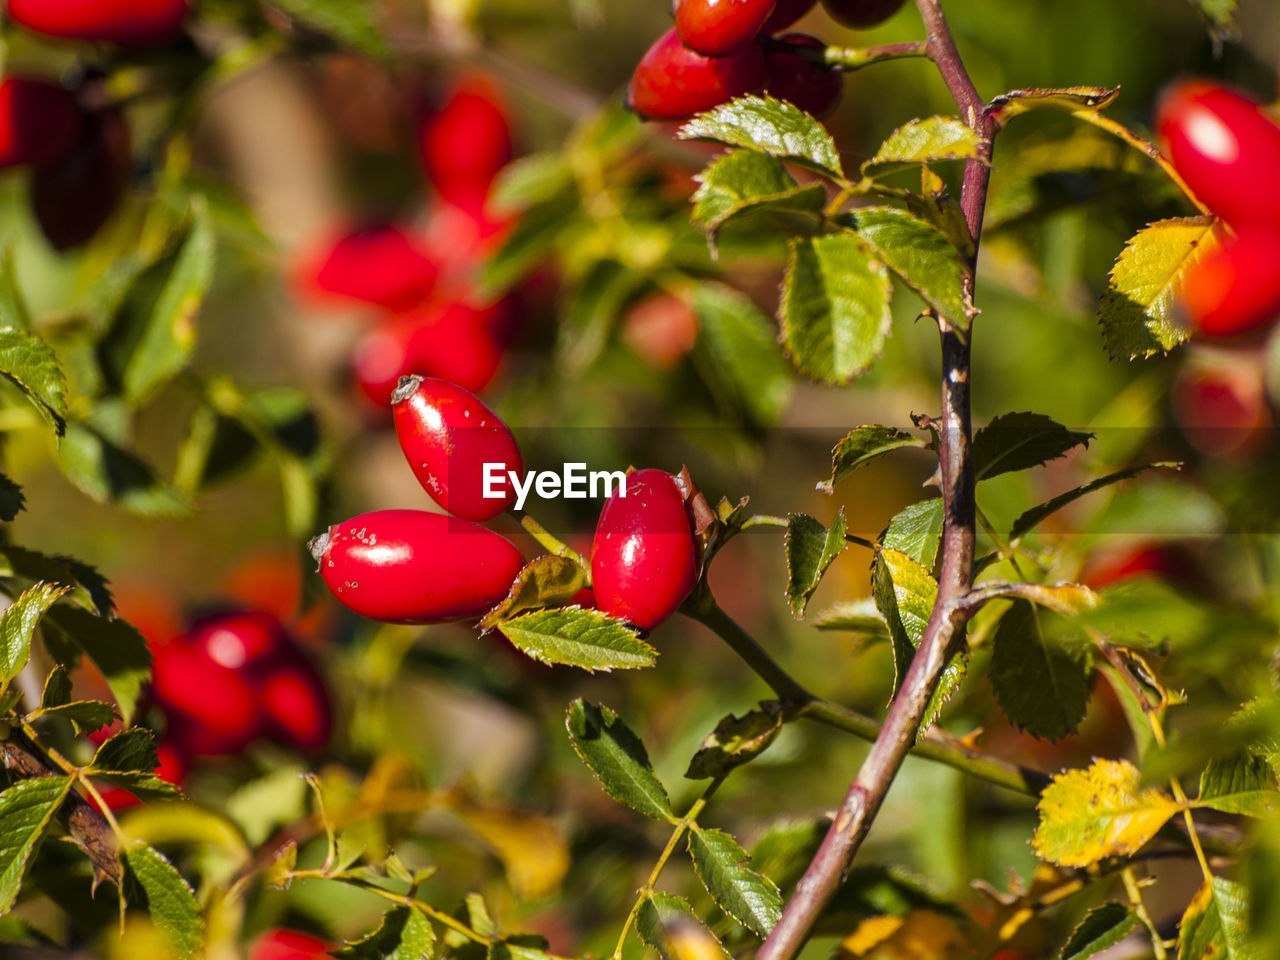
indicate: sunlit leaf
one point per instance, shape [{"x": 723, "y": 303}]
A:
[
  {"x": 618, "y": 759},
  {"x": 723, "y": 867},
  {"x": 811, "y": 548},
  {"x": 861, "y": 446},
  {"x": 770, "y": 126},
  {"x": 581, "y": 638}
]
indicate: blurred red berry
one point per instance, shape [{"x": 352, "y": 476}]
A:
[
  {"x": 1221, "y": 407},
  {"x": 296, "y": 705},
  {"x": 715, "y": 28},
  {"x": 269, "y": 581},
  {"x": 125, "y": 22},
  {"x": 211, "y": 708},
  {"x": 457, "y": 342},
  {"x": 671, "y": 82},
  {"x": 660, "y": 329},
  {"x": 809, "y": 84},
  {"x": 242, "y": 641},
  {"x": 861, "y": 14},
  {"x": 465, "y": 143},
  {"x": 290, "y": 945},
  {"x": 1234, "y": 289},
  {"x": 382, "y": 265},
  {"x": 39, "y": 121},
  {"x": 786, "y": 13},
  {"x": 75, "y": 194}
]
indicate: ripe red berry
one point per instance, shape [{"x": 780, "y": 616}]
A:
[
  {"x": 717, "y": 28},
  {"x": 643, "y": 559},
  {"x": 381, "y": 357},
  {"x": 660, "y": 330},
  {"x": 465, "y": 143},
  {"x": 786, "y": 13},
  {"x": 812, "y": 86},
  {"x": 113, "y": 21},
  {"x": 408, "y": 566},
  {"x": 1235, "y": 288},
  {"x": 39, "y": 121},
  {"x": 296, "y": 705},
  {"x": 1220, "y": 405},
  {"x": 448, "y": 435},
  {"x": 244, "y": 641},
  {"x": 1132, "y": 563},
  {"x": 861, "y": 14},
  {"x": 289, "y": 945},
  {"x": 1225, "y": 148},
  {"x": 671, "y": 82},
  {"x": 381, "y": 265},
  {"x": 211, "y": 708},
  {"x": 457, "y": 342},
  {"x": 74, "y": 195}
]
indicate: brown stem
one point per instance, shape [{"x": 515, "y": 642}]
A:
[
  {"x": 87, "y": 827},
  {"x": 945, "y": 629}
]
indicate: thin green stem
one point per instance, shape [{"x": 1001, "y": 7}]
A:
[
  {"x": 1140, "y": 908},
  {"x": 549, "y": 542},
  {"x": 855, "y": 58},
  {"x": 644, "y": 893}
]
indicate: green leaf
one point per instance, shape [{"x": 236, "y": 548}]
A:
[
  {"x": 722, "y": 866},
  {"x": 347, "y": 21},
  {"x": 107, "y": 472},
  {"x": 904, "y": 594},
  {"x": 115, "y": 647},
  {"x": 403, "y": 934},
  {"x": 57, "y": 689},
  {"x": 1041, "y": 687},
  {"x": 528, "y": 244},
  {"x": 587, "y": 639},
  {"x": 1031, "y": 518},
  {"x": 617, "y": 758},
  {"x": 160, "y": 889},
  {"x": 834, "y": 307},
  {"x": 859, "y": 616},
  {"x": 1139, "y": 311},
  {"x": 527, "y": 181},
  {"x": 920, "y": 254},
  {"x": 18, "y": 624},
  {"x": 168, "y": 337},
  {"x": 543, "y": 582},
  {"x": 664, "y": 917},
  {"x": 922, "y": 141},
  {"x": 594, "y": 304},
  {"x": 740, "y": 346},
  {"x": 1215, "y": 923},
  {"x": 144, "y": 786},
  {"x": 1221, "y": 15},
  {"x": 128, "y": 751},
  {"x": 85, "y": 715},
  {"x": 736, "y": 741},
  {"x": 13, "y": 308},
  {"x": 262, "y": 805},
  {"x": 1243, "y": 783},
  {"x": 1020, "y": 441},
  {"x": 33, "y": 368},
  {"x": 770, "y": 126},
  {"x": 1089, "y": 815},
  {"x": 1103, "y": 927},
  {"x": 811, "y": 549},
  {"x": 861, "y": 446},
  {"x": 916, "y": 531},
  {"x": 744, "y": 181},
  {"x": 26, "y": 809},
  {"x": 12, "y": 502},
  {"x": 90, "y": 585}
]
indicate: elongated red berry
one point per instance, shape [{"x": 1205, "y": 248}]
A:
[
  {"x": 124, "y": 22},
  {"x": 458, "y": 342},
  {"x": 75, "y": 194},
  {"x": 643, "y": 559},
  {"x": 381, "y": 265},
  {"x": 465, "y": 143},
  {"x": 671, "y": 82},
  {"x": 211, "y": 708},
  {"x": 786, "y": 13},
  {"x": 809, "y": 84},
  {"x": 295, "y": 704},
  {"x": 245, "y": 641},
  {"x": 290, "y": 945},
  {"x": 39, "y": 121},
  {"x": 456, "y": 446},
  {"x": 1235, "y": 289},
  {"x": 409, "y": 566},
  {"x": 1225, "y": 148},
  {"x": 717, "y": 28},
  {"x": 861, "y": 14}
]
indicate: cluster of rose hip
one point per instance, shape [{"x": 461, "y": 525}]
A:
[
  {"x": 224, "y": 681},
  {"x": 420, "y": 281},
  {"x": 414, "y": 566},
  {"x": 719, "y": 50},
  {"x": 76, "y": 144},
  {"x": 1226, "y": 147}
]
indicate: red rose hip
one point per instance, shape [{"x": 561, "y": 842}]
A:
[
  {"x": 643, "y": 559},
  {"x": 717, "y": 28},
  {"x": 809, "y": 84},
  {"x": 673, "y": 83},
  {"x": 381, "y": 265},
  {"x": 125, "y": 22},
  {"x": 296, "y": 705},
  {"x": 39, "y": 121},
  {"x": 211, "y": 708},
  {"x": 409, "y": 566},
  {"x": 74, "y": 195},
  {"x": 1235, "y": 289},
  {"x": 466, "y": 143},
  {"x": 448, "y": 436},
  {"x": 786, "y": 13},
  {"x": 1226, "y": 149},
  {"x": 290, "y": 945},
  {"x": 241, "y": 641},
  {"x": 861, "y": 14}
]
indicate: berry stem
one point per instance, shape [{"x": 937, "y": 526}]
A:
[{"x": 855, "y": 58}]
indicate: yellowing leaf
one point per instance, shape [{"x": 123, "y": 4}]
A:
[
  {"x": 533, "y": 849},
  {"x": 920, "y": 935},
  {"x": 1087, "y": 815}
]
